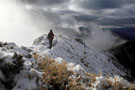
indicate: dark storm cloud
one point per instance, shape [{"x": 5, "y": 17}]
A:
[
  {"x": 102, "y": 4},
  {"x": 106, "y": 21},
  {"x": 124, "y": 12},
  {"x": 50, "y": 3},
  {"x": 110, "y": 16},
  {"x": 104, "y": 12},
  {"x": 86, "y": 18},
  {"x": 88, "y": 4}
]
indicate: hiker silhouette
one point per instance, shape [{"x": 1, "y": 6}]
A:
[{"x": 50, "y": 38}]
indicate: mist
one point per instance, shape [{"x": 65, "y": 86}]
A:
[
  {"x": 16, "y": 25},
  {"x": 102, "y": 39},
  {"x": 22, "y": 23}
]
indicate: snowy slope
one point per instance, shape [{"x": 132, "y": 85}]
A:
[
  {"x": 19, "y": 70},
  {"x": 75, "y": 51},
  {"x": 16, "y": 67}
]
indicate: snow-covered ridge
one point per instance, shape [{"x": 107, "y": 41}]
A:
[
  {"x": 75, "y": 51},
  {"x": 19, "y": 67}
]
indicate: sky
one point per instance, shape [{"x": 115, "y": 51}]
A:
[
  {"x": 21, "y": 21},
  {"x": 103, "y": 12}
]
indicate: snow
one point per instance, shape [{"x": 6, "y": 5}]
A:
[
  {"x": 24, "y": 83},
  {"x": 7, "y": 56},
  {"x": 27, "y": 64},
  {"x": 26, "y": 79},
  {"x": 121, "y": 80},
  {"x": 78, "y": 53},
  {"x": 79, "y": 57},
  {"x": 102, "y": 83},
  {"x": 59, "y": 60},
  {"x": 77, "y": 69}
]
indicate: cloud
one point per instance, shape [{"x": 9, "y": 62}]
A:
[
  {"x": 101, "y": 4},
  {"x": 16, "y": 25},
  {"x": 67, "y": 17},
  {"x": 126, "y": 11},
  {"x": 100, "y": 39},
  {"x": 86, "y": 18},
  {"x": 45, "y": 3},
  {"x": 111, "y": 17}
]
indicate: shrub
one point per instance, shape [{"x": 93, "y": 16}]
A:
[
  {"x": 56, "y": 75},
  {"x": 118, "y": 83},
  {"x": 9, "y": 70}
]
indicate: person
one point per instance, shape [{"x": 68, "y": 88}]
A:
[{"x": 50, "y": 38}]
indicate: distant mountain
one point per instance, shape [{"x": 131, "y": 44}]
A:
[
  {"x": 126, "y": 32},
  {"x": 125, "y": 54}
]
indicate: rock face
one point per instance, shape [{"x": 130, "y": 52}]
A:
[
  {"x": 75, "y": 51},
  {"x": 125, "y": 54}
]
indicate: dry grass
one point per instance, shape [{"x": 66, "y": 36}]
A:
[
  {"x": 132, "y": 87},
  {"x": 36, "y": 56},
  {"x": 55, "y": 74},
  {"x": 57, "y": 77},
  {"x": 75, "y": 85},
  {"x": 116, "y": 84}
]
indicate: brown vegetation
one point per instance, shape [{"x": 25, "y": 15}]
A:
[{"x": 57, "y": 77}]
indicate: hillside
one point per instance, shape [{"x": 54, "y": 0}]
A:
[
  {"x": 75, "y": 51},
  {"x": 69, "y": 65},
  {"x": 125, "y": 54}
]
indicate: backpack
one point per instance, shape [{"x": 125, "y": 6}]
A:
[{"x": 50, "y": 36}]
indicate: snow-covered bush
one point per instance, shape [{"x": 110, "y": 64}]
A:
[
  {"x": 10, "y": 65},
  {"x": 112, "y": 83},
  {"x": 18, "y": 69}
]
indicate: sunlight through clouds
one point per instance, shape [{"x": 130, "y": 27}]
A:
[{"x": 16, "y": 25}]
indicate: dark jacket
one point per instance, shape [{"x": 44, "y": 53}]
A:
[{"x": 50, "y": 36}]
